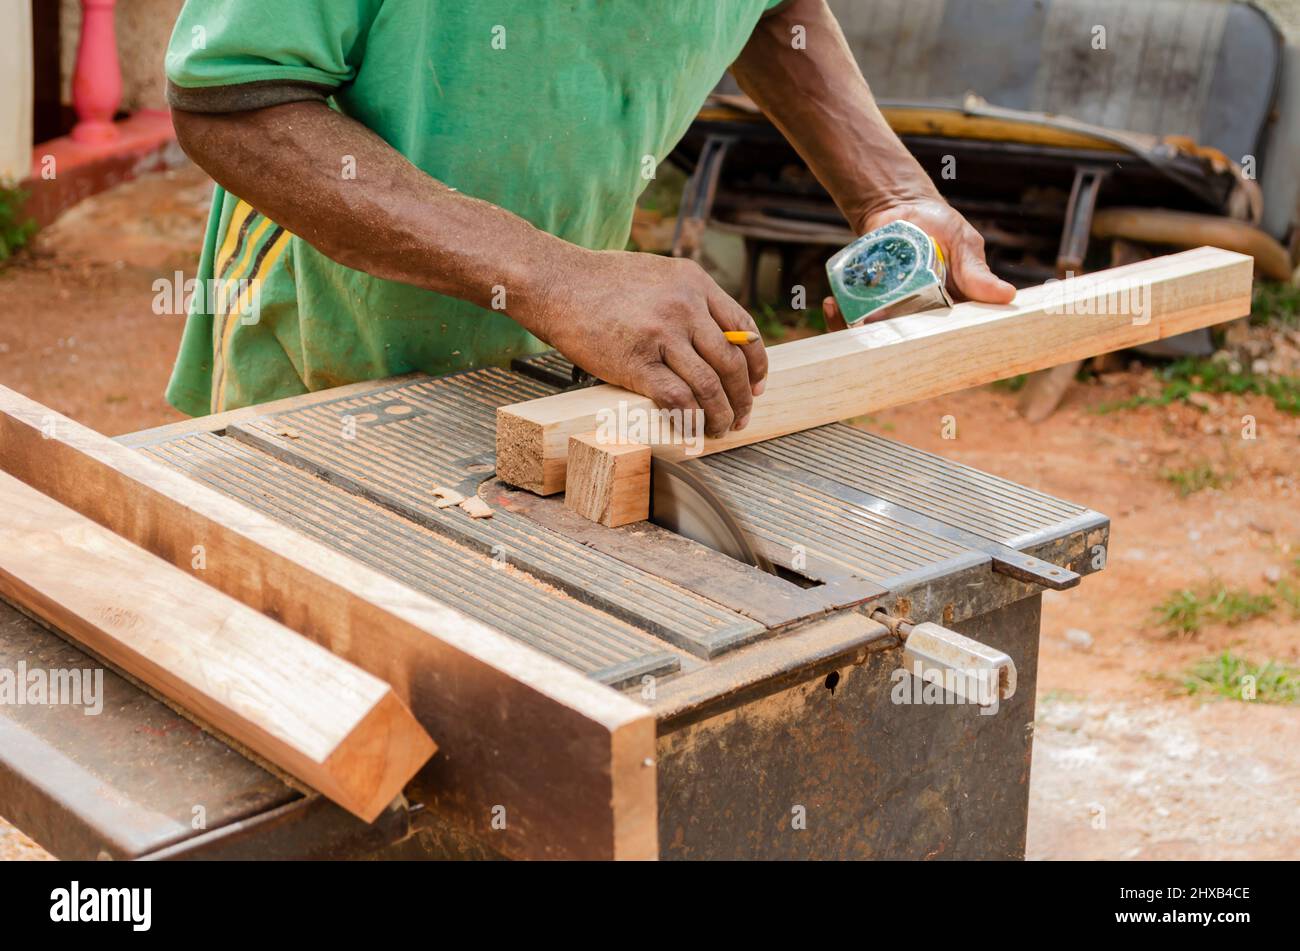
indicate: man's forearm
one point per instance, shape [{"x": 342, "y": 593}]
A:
[
  {"x": 817, "y": 97},
  {"x": 819, "y": 100},
  {"x": 390, "y": 220},
  {"x": 652, "y": 324}
]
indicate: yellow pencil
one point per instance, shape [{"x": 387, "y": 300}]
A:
[{"x": 740, "y": 337}]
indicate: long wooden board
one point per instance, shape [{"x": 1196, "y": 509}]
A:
[
  {"x": 337, "y": 728},
  {"x": 535, "y": 760},
  {"x": 822, "y": 379}
]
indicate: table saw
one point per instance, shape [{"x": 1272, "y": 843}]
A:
[{"x": 779, "y": 729}]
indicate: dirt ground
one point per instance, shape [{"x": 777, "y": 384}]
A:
[
  {"x": 1124, "y": 766},
  {"x": 80, "y": 333}
]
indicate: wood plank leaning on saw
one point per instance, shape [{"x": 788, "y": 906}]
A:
[
  {"x": 314, "y": 715},
  {"x": 566, "y": 763},
  {"x": 819, "y": 380}
]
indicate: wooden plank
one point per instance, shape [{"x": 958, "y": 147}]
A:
[
  {"x": 819, "y": 380},
  {"x": 608, "y": 482},
  {"x": 534, "y": 759},
  {"x": 314, "y": 715}
]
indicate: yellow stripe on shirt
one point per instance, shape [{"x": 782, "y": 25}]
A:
[
  {"x": 242, "y": 210},
  {"x": 264, "y": 268},
  {"x": 230, "y": 317}
]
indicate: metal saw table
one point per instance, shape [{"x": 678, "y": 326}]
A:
[{"x": 778, "y": 732}]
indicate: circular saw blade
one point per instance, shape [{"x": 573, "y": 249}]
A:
[{"x": 683, "y": 503}]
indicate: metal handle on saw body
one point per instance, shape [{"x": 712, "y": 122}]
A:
[{"x": 969, "y": 669}]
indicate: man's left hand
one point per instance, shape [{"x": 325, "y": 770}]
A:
[{"x": 969, "y": 276}]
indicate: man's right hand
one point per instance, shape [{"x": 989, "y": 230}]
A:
[
  {"x": 654, "y": 325},
  {"x": 647, "y": 323}
]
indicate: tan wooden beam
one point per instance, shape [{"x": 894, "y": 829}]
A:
[
  {"x": 535, "y": 760},
  {"x": 608, "y": 482},
  {"x": 333, "y": 726},
  {"x": 819, "y": 380}
]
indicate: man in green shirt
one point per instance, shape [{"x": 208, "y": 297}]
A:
[{"x": 434, "y": 185}]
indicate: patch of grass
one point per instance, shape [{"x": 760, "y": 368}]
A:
[
  {"x": 1275, "y": 302},
  {"x": 769, "y": 322},
  {"x": 1237, "y": 678},
  {"x": 1194, "y": 479},
  {"x": 1181, "y": 613},
  {"x": 1238, "y": 606},
  {"x": 1290, "y": 595},
  {"x": 1185, "y": 612},
  {"x": 1116, "y": 406},
  {"x": 14, "y": 233},
  {"x": 1285, "y": 393},
  {"x": 663, "y": 193},
  {"x": 776, "y": 324},
  {"x": 870, "y": 422},
  {"x": 815, "y": 319},
  {"x": 1191, "y": 375},
  {"x": 1012, "y": 384}
]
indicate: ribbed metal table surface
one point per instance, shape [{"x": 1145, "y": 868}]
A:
[{"x": 363, "y": 474}]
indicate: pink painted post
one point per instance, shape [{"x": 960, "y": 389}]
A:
[{"x": 97, "y": 80}]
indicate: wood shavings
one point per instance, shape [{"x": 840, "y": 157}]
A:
[
  {"x": 476, "y": 507},
  {"x": 446, "y": 497}
]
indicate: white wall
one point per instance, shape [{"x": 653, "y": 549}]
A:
[{"x": 15, "y": 90}]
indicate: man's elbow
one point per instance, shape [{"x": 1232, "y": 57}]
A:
[
  {"x": 220, "y": 143},
  {"x": 191, "y": 133}
]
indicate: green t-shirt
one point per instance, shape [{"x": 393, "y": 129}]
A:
[{"x": 548, "y": 108}]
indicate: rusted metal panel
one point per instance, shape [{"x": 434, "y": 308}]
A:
[
  {"x": 832, "y": 768},
  {"x": 307, "y": 828}
]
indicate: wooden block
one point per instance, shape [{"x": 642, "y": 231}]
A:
[
  {"x": 333, "y": 726},
  {"x": 608, "y": 482},
  {"x": 819, "y": 380},
  {"x": 566, "y": 762}
]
